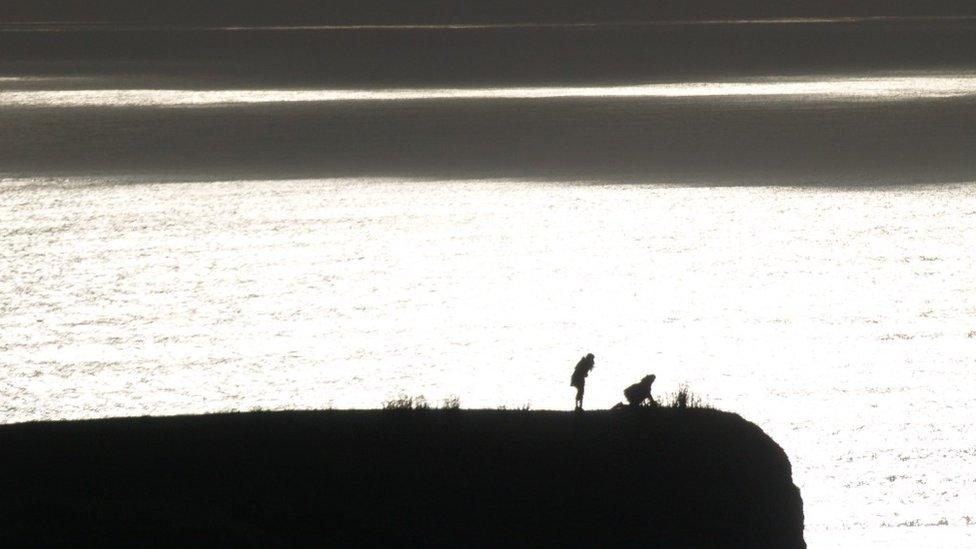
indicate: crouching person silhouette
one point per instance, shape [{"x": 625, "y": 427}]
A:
[
  {"x": 578, "y": 380},
  {"x": 640, "y": 392}
]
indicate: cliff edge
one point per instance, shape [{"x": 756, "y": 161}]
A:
[{"x": 658, "y": 478}]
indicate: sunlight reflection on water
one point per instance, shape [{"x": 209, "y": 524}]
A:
[
  {"x": 843, "y": 322},
  {"x": 867, "y": 88}
]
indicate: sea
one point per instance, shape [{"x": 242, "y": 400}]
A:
[
  {"x": 840, "y": 320},
  {"x": 795, "y": 249}
]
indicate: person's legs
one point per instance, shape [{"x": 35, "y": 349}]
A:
[{"x": 579, "y": 397}]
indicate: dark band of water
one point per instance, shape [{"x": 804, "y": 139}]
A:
[{"x": 739, "y": 141}]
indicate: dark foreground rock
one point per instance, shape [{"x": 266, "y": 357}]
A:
[{"x": 660, "y": 478}]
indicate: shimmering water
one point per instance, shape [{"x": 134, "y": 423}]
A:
[
  {"x": 866, "y": 88},
  {"x": 842, "y": 321}
]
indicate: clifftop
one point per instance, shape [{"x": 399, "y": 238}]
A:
[{"x": 664, "y": 478}]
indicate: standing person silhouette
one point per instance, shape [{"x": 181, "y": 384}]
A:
[{"x": 578, "y": 380}]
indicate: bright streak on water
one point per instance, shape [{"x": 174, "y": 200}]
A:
[
  {"x": 880, "y": 88},
  {"x": 843, "y": 322}
]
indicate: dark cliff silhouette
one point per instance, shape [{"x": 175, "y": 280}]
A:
[{"x": 653, "y": 477}]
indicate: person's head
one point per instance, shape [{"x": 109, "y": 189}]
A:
[
  {"x": 589, "y": 358},
  {"x": 649, "y": 379}
]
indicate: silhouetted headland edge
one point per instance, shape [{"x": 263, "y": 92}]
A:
[{"x": 652, "y": 477}]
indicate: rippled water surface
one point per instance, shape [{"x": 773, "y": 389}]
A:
[{"x": 842, "y": 321}]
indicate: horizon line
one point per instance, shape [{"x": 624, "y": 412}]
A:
[{"x": 135, "y": 26}]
